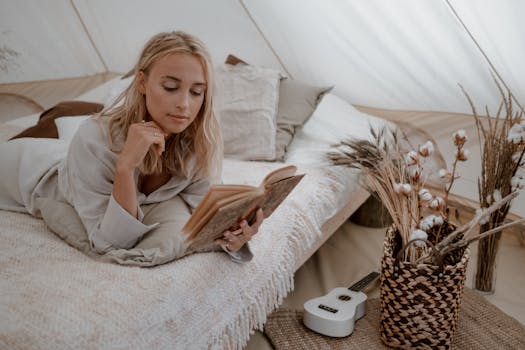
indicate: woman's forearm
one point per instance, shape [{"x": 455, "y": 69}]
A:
[{"x": 124, "y": 189}]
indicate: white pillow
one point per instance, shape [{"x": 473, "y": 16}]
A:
[
  {"x": 333, "y": 121},
  {"x": 116, "y": 89},
  {"x": 68, "y": 126},
  {"x": 246, "y": 102}
]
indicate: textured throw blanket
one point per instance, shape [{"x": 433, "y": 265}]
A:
[{"x": 56, "y": 297}]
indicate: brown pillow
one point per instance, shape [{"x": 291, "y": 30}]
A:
[
  {"x": 297, "y": 102},
  {"x": 46, "y": 128},
  {"x": 233, "y": 60}
]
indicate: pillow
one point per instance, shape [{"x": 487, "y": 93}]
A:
[
  {"x": 68, "y": 126},
  {"x": 161, "y": 245},
  {"x": 46, "y": 128},
  {"x": 117, "y": 88},
  {"x": 297, "y": 102},
  {"x": 246, "y": 103}
]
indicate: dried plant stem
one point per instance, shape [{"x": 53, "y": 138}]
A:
[
  {"x": 497, "y": 171},
  {"x": 485, "y": 236},
  {"x": 486, "y": 268},
  {"x": 465, "y": 231}
]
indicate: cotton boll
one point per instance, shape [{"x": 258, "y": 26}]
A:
[
  {"x": 398, "y": 187},
  {"x": 430, "y": 221},
  {"x": 460, "y": 137},
  {"x": 425, "y": 195},
  {"x": 402, "y": 189},
  {"x": 427, "y": 149},
  {"x": 445, "y": 175},
  {"x": 437, "y": 203},
  {"x": 414, "y": 171},
  {"x": 418, "y": 234},
  {"x": 412, "y": 158},
  {"x": 425, "y": 225}
]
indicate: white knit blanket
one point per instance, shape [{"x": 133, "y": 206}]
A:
[{"x": 52, "y": 296}]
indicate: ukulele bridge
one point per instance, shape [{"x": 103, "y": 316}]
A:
[{"x": 327, "y": 308}]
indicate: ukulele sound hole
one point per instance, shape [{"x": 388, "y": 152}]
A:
[{"x": 344, "y": 297}]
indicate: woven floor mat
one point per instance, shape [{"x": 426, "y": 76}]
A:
[{"x": 481, "y": 326}]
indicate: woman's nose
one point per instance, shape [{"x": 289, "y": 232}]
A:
[{"x": 182, "y": 101}]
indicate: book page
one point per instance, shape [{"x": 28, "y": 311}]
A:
[
  {"x": 279, "y": 174},
  {"x": 212, "y": 209},
  {"x": 210, "y": 201},
  {"x": 226, "y": 218}
]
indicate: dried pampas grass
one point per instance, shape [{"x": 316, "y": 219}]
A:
[{"x": 502, "y": 143}]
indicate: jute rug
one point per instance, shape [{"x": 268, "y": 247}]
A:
[{"x": 481, "y": 326}]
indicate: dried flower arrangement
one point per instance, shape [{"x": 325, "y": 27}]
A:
[
  {"x": 502, "y": 138},
  {"x": 421, "y": 218}
]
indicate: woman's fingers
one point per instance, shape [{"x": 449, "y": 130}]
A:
[
  {"x": 159, "y": 135},
  {"x": 234, "y": 240},
  {"x": 141, "y": 136},
  {"x": 231, "y": 241}
]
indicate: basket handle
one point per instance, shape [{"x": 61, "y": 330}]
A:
[{"x": 438, "y": 258}]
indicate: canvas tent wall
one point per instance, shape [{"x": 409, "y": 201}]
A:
[{"x": 405, "y": 54}]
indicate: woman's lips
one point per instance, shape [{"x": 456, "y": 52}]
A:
[{"x": 177, "y": 117}]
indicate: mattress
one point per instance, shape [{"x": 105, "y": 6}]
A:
[{"x": 55, "y": 297}]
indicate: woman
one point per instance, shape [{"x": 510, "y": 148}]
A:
[{"x": 160, "y": 139}]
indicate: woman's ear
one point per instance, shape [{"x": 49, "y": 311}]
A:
[{"x": 141, "y": 82}]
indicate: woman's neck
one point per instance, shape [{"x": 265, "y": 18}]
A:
[{"x": 150, "y": 183}]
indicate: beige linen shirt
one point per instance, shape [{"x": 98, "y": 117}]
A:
[{"x": 83, "y": 176}]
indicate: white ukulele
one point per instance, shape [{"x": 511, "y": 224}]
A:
[{"x": 335, "y": 313}]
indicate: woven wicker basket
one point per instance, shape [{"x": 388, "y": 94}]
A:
[{"x": 419, "y": 305}]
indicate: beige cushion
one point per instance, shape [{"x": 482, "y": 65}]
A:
[
  {"x": 297, "y": 102},
  {"x": 246, "y": 103},
  {"x": 163, "y": 244}
]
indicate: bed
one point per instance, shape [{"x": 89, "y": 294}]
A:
[{"x": 56, "y": 297}]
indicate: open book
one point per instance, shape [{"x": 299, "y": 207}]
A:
[{"x": 224, "y": 206}]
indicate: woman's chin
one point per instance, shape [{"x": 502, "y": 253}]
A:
[{"x": 175, "y": 129}]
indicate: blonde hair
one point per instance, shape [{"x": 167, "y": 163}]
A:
[{"x": 196, "y": 151}]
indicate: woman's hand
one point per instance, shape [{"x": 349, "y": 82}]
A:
[
  {"x": 139, "y": 140},
  {"x": 234, "y": 240}
]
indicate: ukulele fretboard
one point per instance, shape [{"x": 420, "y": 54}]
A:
[{"x": 363, "y": 282}]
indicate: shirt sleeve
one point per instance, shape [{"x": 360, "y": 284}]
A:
[{"x": 90, "y": 173}]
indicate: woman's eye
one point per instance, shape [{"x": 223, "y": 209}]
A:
[
  {"x": 170, "y": 88},
  {"x": 196, "y": 93}
]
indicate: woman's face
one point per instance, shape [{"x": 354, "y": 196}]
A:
[{"x": 174, "y": 90}]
